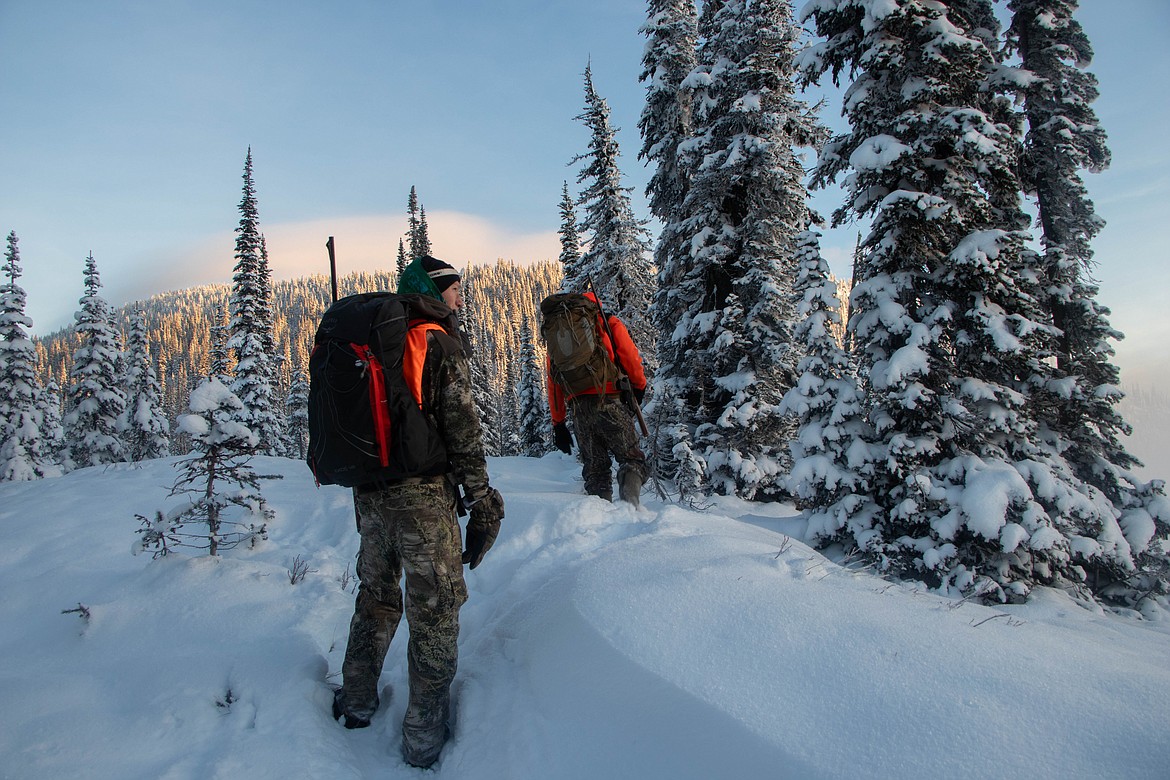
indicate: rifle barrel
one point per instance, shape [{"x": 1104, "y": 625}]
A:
[{"x": 332, "y": 268}]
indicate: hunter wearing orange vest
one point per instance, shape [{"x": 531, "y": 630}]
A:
[{"x": 603, "y": 424}]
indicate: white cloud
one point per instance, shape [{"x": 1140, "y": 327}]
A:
[{"x": 362, "y": 243}]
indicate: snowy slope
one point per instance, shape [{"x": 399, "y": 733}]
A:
[{"x": 599, "y": 642}]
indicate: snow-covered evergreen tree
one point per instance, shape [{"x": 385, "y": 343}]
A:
[
  {"x": 486, "y": 402},
  {"x": 23, "y": 455},
  {"x": 420, "y": 242},
  {"x": 218, "y": 478},
  {"x": 535, "y": 427},
  {"x": 143, "y": 426},
  {"x": 509, "y": 416},
  {"x": 424, "y": 238},
  {"x": 730, "y": 357},
  {"x": 668, "y": 59},
  {"x": 401, "y": 263},
  {"x": 298, "y": 416},
  {"x": 949, "y": 317},
  {"x": 570, "y": 259},
  {"x": 250, "y": 327},
  {"x": 832, "y": 433},
  {"x": 219, "y": 356},
  {"x": 1065, "y": 138},
  {"x": 52, "y": 429},
  {"x": 617, "y": 255},
  {"x": 96, "y": 401}
]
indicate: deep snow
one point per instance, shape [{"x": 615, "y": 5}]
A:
[{"x": 599, "y": 642}]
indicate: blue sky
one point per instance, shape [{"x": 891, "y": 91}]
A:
[{"x": 126, "y": 125}]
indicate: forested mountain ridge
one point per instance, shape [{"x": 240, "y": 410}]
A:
[{"x": 179, "y": 325}]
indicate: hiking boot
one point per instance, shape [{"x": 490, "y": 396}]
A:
[
  {"x": 630, "y": 487},
  {"x": 427, "y": 747},
  {"x": 351, "y": 721}
]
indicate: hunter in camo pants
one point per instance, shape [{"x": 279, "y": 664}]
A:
[
  {"x": 409, "y": 529},
  {"x": 603, "y": 426}
]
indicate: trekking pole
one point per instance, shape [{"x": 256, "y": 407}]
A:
[
  {"x": 332, "y": 268},
  {"x": 625, "y": 390}
]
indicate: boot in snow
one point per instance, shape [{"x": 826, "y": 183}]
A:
[
  {"x": 351, "y": 721},
  {"x": 426, "y": 729},
  {"x": 630, "y": 487}
]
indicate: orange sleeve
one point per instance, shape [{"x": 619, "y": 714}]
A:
[{"x": 627, "y": 354}]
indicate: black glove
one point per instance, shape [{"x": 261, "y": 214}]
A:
[
  {"x": 484, "y": 526},
  {"x": 639, "y": 394},
  {"x": 562, "y": 438}
]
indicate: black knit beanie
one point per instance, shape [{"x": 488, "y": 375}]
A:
[{"x": 442, "y": 274}]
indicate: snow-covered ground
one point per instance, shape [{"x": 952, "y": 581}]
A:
[{"x": 599, "y": 642}]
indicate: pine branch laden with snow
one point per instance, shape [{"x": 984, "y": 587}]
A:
[
  {"x": 95, "y": 397},
  {"x": 671, "y": 30},
  {"x": 951, "y": 315},
  {"x": 728, "y": 290}
]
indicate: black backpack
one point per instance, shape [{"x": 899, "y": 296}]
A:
[
  {"x": 579, "y": 360},
  {"x": 365, "y": 423}
]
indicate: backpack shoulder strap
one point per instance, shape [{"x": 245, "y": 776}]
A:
[{"x": 414, "y": 355}]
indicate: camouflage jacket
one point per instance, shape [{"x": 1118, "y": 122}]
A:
[{"x": 447, "y": 400}]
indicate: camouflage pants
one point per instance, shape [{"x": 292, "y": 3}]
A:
[
  {"x": 603, "y": 426},
  {"x": 412, "y": 529}
]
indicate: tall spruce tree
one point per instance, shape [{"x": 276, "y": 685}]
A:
[
  {"x": 535, "y": 427},
  {"x": 219, "y": 356},
  {"x": 250, "y": 326},
  {"x": 482, "y": 389},
  {"x": 827, "y": 402},
  {"x": 570, "y": 258},
  {"x": 669, "y": 58},
  {"x": 23, "y": 455},
  {"x": 616, "y": 258},
  {"x": 420, "y": 242},
  {"x": 401, "y": 262},
  {"x": 731, "y": 356},
  {"x": 298, "y": 416},
  {"x": 52, "y": 430},
  {"x": 948, "y": 313},
  {"x": 1064, "y": 138},
  {"x": 143, "y": 426},
  {"x": 424, "y": 237},
  {"x": 96, "y": 400}
]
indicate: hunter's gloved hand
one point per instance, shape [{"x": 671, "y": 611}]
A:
[
  {"x": 562, "y": 438},
  {"x": 639, "y": 394},
  {"x": 484, "y": 526}
]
